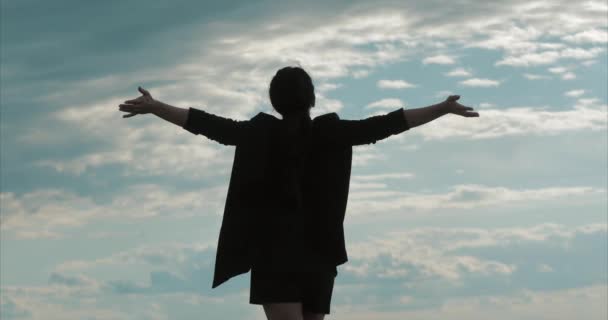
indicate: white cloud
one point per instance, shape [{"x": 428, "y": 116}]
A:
[
  {"x": 530, "y": 59},
  {"x": 163, "y": 254},
  {"x": 597, "y": 6},
  {"x": 48, "y": 213},
  {"x": 410, "y": 147},
  {"x": 558, "y": 70},
  {"x": 587, "y": 302},
  {"x": 394, "y": 84},
  {"x": 549, "y": 57},
  {"x": 412, "y": 259},
  {"x": 575, "y": 93},
  {"x": 581, "y": 53},
  {"x": 568, "y": 76},
  {"x": 366, "y": 185},
  {"x": 390, "y": 103},
  {"x": 385, "y": 270},
  {"x": 376, "y": 181},
  {"x": 382, "y": 176},
  {"x": 589, "y": 62},
  {"x": 363, "y": 155},
  {"x": 460, "y": 197},
  {"x": 325, "y": 105},
  {"x": 518, "y": 121},
  {"x": 458, "y": 260},
  {"x": 544, "y": 268},
  {"x": 147, "y": 144},
  {"x": 588, "y": 36},
  {"x": 530, "y": 76},
  {"x": 51, "y": 301},
  {"x": 585, "y": 102},
  {"x": 213, "y": 80},
  {"x": 358, "y": 74},
  {"x": 439, "y": 59},
  {"x": 459, "y": 72},
  {"x": 479, "y": 82},
  {"x": 327, "y": 86},
  {"x": 354, "y": 44}
]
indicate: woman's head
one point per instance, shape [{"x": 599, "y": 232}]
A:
[{"x": 291, "y": 91}]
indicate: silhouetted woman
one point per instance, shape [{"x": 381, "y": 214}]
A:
[{"x": 288, "y": 190}]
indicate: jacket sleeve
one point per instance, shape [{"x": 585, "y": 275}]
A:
[
  {"x": 365, "y": 131},
  {"x": 223, "y": 130}
]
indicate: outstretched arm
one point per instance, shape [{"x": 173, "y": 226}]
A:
[
  {"x": 175, "y": 115},
  {"x": 375, "y": 128},
  {"x": 223, "y": 130},
  {"x": 146, "y": 104},
  {"x": 420, "y": 116}
]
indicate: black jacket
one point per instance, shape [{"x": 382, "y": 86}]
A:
[{"x": 251, "y": 212}]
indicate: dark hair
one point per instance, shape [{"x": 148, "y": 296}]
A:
[
  {"x": 291, "y": 91},
  {"x": 292, "y": 94}
]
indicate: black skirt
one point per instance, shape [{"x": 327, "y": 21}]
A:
[
  {"x": 313, "y": 289},
  {"x": 290, "y": 243}
]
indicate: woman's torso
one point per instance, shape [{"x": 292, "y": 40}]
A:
[{"x": 291, "y": 234}]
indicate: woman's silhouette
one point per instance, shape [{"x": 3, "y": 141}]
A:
[{"x": 288, "y": 190}]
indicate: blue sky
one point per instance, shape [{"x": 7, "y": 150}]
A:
[{"x": 112, "y": 218}]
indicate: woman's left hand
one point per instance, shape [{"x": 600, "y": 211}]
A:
[{"x": 142, "y": 105}]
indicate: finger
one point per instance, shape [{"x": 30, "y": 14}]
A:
[
  {"x": 463, "y": 107},
  {"x": 143, "y": 91},
  {"x": 133, "y": 101},
  {"x": 130, "y": 109},
  {"x": 129, "y": 105},
  {"x": 126, "y": 107},
  {"x": 129, "y": 115}
]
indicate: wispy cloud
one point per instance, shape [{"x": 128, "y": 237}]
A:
[
  {"x": 460, "y": 260},
  {"x": 327, "y": 86},
  {"x": 459, "y": 72},
  {"x": 358, "y": 74},
  {"x": 50, "y": 213},
  {"x": 480, "y": 82},
  {"x": 558, "y": 69},
  {"x": 383, "y": 176},
  {"x": 575, "y": 93},
  {"x": 439, "y": 59},
  {"x": 549, "y": 57},
  {"x": 565, "y": 73},
  {"x": 563, "y": 304},
  {"x": 588, "y": 36},
  {"x": 590, "y": 115},
  {"x": 461, "y": 197},
  {"x": 569, "y": 76},
  {"x": 394, "y": 84},
  {"x": 531, "y": 76},
  {"x": 388, "y": 103}
]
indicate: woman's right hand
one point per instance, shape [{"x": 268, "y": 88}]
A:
[
  {"x": 141, "y": 105},
  {"x": 452, "y": 106}
]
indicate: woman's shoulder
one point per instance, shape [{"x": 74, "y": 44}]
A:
[
  {"x": 269, "y": 118},
  {"x": 327, "y": 116}
]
